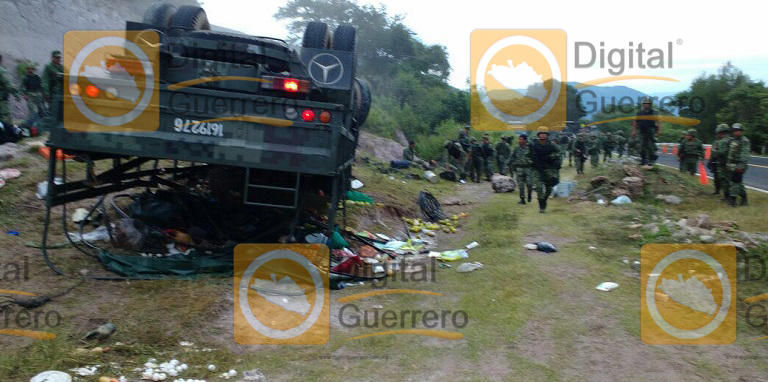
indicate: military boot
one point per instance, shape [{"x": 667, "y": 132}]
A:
[
  {"x": 732, "y": 201},
  {"x": 522, "y": 196},
  {"x": 717, "y": 188},
  {"x": 744, "y": 200},
  {"x": 530, "y": 193},
  {"x": 542, "y": 205}
]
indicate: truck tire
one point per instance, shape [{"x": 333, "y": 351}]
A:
[
  {"x": 316, "y": 36},
  {"x": 159, "y": 15},
  {"x": 361, "y": 102},
  {"x": 190, "y": 17},
  {"x": 345, "y": 38}
]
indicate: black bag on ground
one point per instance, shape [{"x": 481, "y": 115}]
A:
[
  {"x": 448, "y": 175},
  {"x": 400, "y": 164},
  {"x": 163, "y": 209}
]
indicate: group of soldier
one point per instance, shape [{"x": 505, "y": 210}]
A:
[
  {"x": 37, "y": 91},
  {"x": 729, "y": 161}
]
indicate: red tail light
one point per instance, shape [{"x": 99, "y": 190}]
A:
[
  {"x": 325, "y": 116},
  {"x": 308, "y": 115},
  {"x": 92, "y": 91},
  {"x": 290, "y": 85}
]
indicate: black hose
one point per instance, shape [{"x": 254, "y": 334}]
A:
[{"x": 430, "y": 207}]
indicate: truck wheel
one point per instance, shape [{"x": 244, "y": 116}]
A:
[
  {"x": 191, "y": 17},
  {"x": 159, "y": 15},
  {"x": 345, "y": 38},
  {"x": 361, "y": 102},
  {"x": 317, "y": 36}
]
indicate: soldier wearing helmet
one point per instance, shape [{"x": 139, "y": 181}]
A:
[
  {"x": 593, "y": 150},
  {"x": 691, "y": 152},
  {"x": 520, "y": 163},
  {"x": 718, "y": 159},
  {"x": 739, "y": 151},
  {"x": 546, "y": 159},
  {"x": 579, "y": 149},
  {"x": 647, "y": 127},
  {"x": 454, "y": 158}
]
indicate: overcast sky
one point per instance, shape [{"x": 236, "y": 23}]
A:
[{"x": 711, "y": 33}]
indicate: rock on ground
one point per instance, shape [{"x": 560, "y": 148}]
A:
[
  {"x": 381, "y": 148},
  {"x": 652, "y": 228},
  {"x": 9, "y": 151},
  {"x": 634, "y": 185},
  {"x": 619, "y": 192},
  {"x": 671, "y": 199},
  {"x": 598, "y": 181},
  {"x": 634, "y": 171},
  {"x": 502, "y": 183}
]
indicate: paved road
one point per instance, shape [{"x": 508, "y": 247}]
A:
[{"x": 755, "y": 177}]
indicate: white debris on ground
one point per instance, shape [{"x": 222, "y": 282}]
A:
[{"x": 86, "y": 371}]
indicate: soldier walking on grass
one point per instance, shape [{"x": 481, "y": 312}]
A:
[
  {"x": 546, "y": 160},
  {"x": 486, "y": 156},
  {"x": 608, "y": 144},
  {"x": 520, "y": 162},
  {"x": 503, "y": 151},
  {"x": 739, "y": 151},
  {"x": 593, "y": 150},
  {"x": 33, "y": 87},
  {"x": 580, "y": 153}
]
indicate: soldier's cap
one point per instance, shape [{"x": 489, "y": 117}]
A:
[
  {"x": 691, "y": 132},
  {"x": 542, "y": 130},
  {"x": 56, "y": 53},
  {"x": 737, "y": 126},
  {"x": 524, "y": 136},
  {"x": 503, "y": 137},
  {"x": 580, "y": 135},
  {"x": 646, "y": 101},
  {"x": 446, "y": 143},
  {"x": 722, "y": 126},
  {"x": 467, "y": 127},
  {"x": 486, "y": 136}
]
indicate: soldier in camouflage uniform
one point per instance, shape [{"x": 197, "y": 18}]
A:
[
  {"x": 53, "y": 78},
  {"x": 646, "y": 130},
  {"x": 608, "y": 144},
  {"x": 621, "y": 142},
  {"x": 32, "y": 86},
  {"x": 474, "y": 163},
  {"x": 593, "y": 150},
  {"x": 632, "y": 146},
  {"x": 486, "y": 156},
  {"x": 691, "y": 152},
  {"x": 6, "y": 90},
  {"x": 719, "y": 158},
  {"x": 739, "y": 151},
  {"x": 683, "y": 137},
  {"x": 546, "y": 160},
  {"x": 455, "y": 158},
  {"x": 409, "y": 154},
  {"x": 520, "y": 162},
  {"x": 503, "y": 151},
  {"x": 464, "y": 141},
  {"x": 580, "y": 153},
  {"x": 570, "y": 148}
]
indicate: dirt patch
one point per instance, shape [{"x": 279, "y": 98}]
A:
[{"x": 536, "y": 341}]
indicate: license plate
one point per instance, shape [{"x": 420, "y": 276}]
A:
[{"x": 188, "y": 126}]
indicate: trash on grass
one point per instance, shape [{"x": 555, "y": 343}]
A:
[
  {"x": 473, "y": 244},
  {"x": 607, "y": 286},
  {"x": 99, "y": 234},
  {"x": 542, "y": 246},
  {"x": 601, "y": 202},
  {"x": 357, "y": 184},
  {"x": 453, "y": 255},
  {"x": 52, "y": 376},
  {"x": 9, "y": 173},
  {"x": 530, "y": 246},
  {"x": 42, "y": 187},
  {"x": 12, "y": 232},
  {"x": 79, "y": 215},
  {"x": 468, "y": 267},
  {"x": 623, "y": 199}
]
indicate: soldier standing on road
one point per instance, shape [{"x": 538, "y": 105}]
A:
[
  {"x": 32, "y": 86},
  {"x": 691, "y": 152},
  {"x": 546, "y": 166},
  {"x": 647, "y": 130},
  {"x": 6, "y": 90},
  {"x": 409, "y": 154},
  {"x": 53, "y": 78},
  {"x": 719, "y": 159},
  {"x": 739, "y": 151},
  {"x": 683, "y": 137},
  {"x": 520, "y": 162},
  {"x": 580, "y": 153},
  {"x": 503, "y": 152},
  {"x": 593, "y": 150},
  {"x": 487, "y": 156},
  {"x": 454, "y": 158},
  {"x": 608, "y": 144}
]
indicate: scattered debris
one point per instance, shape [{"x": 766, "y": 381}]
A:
[
  {"x": 9, "y": 173},
  {"x": 707, "y": 239},
  {"x": 101, "y": 332},
  {"x": 468, "y": 267},
  {"x": 530, "y": 246},
  {"x": 607, "y": 286},
  {"x": 79, "y": 215},
  {"x": 378, "y": 307},
  {"x": 357, "y": 184},
  {"x": 473, "y": 244},
  {"x": 254, "y": 375},
  {"x": 670, "y": 199},
  {"x": 592, "y": 248},
  {"x": 623, "y": 199},
  {"x": 453, "y": 255},
  {"x": 99, "y": 234},
  {"x": 42, "y": 187},
  {"x": 544, "y": 246},
  {"x": 85, "y": 371},
  {"x": 52, "y": 376}
]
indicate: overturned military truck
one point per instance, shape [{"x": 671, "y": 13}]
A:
[{"x": 255, "y": 140}]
